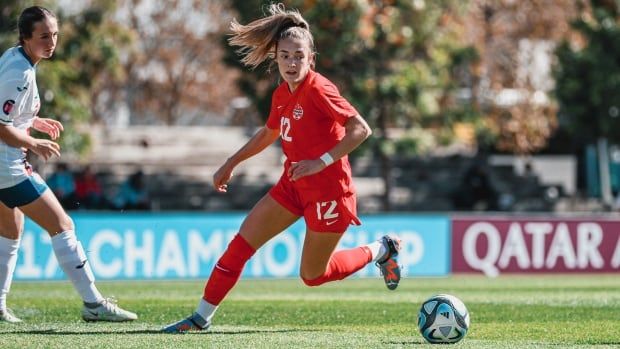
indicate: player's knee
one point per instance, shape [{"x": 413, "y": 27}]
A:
[
  {"x": 311, "y": 277},
  {"x": 317, "y": 281},
  {"x": 10, "y": 231},
  {"x": 11, "y": 228},
  {"x": 65, "y": 223},
  {"x": 61, "y": 224}
]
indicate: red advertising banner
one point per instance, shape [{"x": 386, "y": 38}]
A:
[{"x": 495, "y": 245}]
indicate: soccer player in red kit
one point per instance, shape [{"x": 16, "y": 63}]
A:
[{"x": 318, "y": 128}]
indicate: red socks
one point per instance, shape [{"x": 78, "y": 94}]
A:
[
  {"x": 227, "y": 270},
  {"x": 342, "y": 264}
]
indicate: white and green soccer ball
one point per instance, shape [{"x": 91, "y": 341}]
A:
[{"x": 443, "y": 318}]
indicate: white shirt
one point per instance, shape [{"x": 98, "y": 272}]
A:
[{"x": 19, "y": 102}]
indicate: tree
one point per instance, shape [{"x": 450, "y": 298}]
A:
[
  {"x": 175, "y": 71},
  {"x": 9, "y": 12},
  {"x": 588, "y": 75},
  {"x": 588, "y": 82},
  {"x": 403, "y": 68},
  {"x": 511, "y": 81}
]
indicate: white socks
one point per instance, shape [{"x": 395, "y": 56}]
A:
[
  {"x": 206, "y": 310},
  {"x": 378, "y": 250},
  {"x": 73, "y": 261},
  {"x": 8, "y": 260}
]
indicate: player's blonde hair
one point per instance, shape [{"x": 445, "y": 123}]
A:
[{"x": 258, "y": 39}]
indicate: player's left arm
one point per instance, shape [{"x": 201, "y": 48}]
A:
[{"x": 357, "y": 130}]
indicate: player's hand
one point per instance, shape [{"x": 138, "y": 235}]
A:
[
  {"x": 49, "y": 126},
  {"x": 304, "y": 168},
  {"x": 45, "y": 148},
  {"x": 221, "y": 178}
]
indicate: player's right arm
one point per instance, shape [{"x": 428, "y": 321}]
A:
[
  {"x": 20, "y": 139},
  {"x": 261, "y": 140}
]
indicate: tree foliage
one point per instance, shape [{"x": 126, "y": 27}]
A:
[
  {"x": 511, "y": 81},
  {"x": 175, "y": 70},
  {"x": 588, "y": 74}
]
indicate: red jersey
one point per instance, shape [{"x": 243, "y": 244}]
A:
[{"x": 311, "y": 122}]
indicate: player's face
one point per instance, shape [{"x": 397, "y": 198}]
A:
[
  {"x": 294, "y": 59},
  {"x": 43, "y": 41}
]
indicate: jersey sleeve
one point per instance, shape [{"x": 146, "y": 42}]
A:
[
  {"x": 13, "y": 93},
  {"x": 330, "y": 101}
]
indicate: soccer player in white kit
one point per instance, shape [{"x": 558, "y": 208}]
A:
[{"x": 22, "y": 191}]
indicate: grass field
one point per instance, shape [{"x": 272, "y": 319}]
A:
[{"x": 547, "y": 311}]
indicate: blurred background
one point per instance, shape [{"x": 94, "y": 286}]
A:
[{"x": 476, "y": 105}]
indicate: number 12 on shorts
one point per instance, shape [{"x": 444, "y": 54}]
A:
[{"x": 325, "y": 210}]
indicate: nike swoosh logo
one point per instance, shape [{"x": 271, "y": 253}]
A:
[
  {"x": 280, "y": 107},
  {"x": 81, "y": 265},
  {"x": 330, "y": 223},
  {"x": 222, "y": 269}
]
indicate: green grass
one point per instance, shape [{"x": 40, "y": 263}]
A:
[{"x": 546, "y": 311}]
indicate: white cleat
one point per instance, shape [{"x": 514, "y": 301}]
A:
[
  {"x": 108, "y": 310},
  {"x": 7, "y": 315}
]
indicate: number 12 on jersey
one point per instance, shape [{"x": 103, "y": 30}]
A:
[{"x": 285, "y": 129}]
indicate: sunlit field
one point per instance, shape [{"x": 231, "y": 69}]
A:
[{"x": 546, "y": 311}]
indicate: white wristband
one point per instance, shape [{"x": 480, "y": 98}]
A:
[{"x": 327, "y": 159}]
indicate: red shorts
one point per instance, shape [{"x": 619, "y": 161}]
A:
[{"x": 329, "y": 213}]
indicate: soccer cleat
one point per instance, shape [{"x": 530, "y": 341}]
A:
[
  {"x": 388, "y": 264},
  {"x": 7, "y": 315},
  {"x": 107, "y": 310},
  {"x": 192, "y": 323}
]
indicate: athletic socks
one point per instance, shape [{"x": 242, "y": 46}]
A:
[
  {"x": 378, "y": 249},
  {"x": 227, "y": 271},
  {"x": 206, "y": 312},
  {"x": 342, "y": 264},
  {"x": 72, "y": 259},
  {"x": 8, "y": 260}
]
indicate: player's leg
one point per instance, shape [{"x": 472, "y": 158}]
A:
[
  {"x": 11, "y": 226},
  {"x": 326, "y": 221},
  {"x": 47, "y": 212},
  {"x": 267, "y": 219},
  {"x": 320, "y": 264}
]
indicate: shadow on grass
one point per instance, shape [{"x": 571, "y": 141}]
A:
[
  {"x": 405, "y": 342},
  {"x": 57, "y": 332},
  {"x": 421, "y": 341}
]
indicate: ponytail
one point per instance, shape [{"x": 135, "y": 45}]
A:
[{"x": 257, "y": 40}]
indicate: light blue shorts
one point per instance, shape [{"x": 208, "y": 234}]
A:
[{"x": 23, "y": 193}]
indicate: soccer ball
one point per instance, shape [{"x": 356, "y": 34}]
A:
[{"x": 443, "y": 319}]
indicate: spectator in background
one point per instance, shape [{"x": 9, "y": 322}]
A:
[
  {"x": 528, "y": 182},
  {"x": 62, "y": 184},
  {"x": 132, "y": 194},
  {"x": 88, "y": 190}
]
